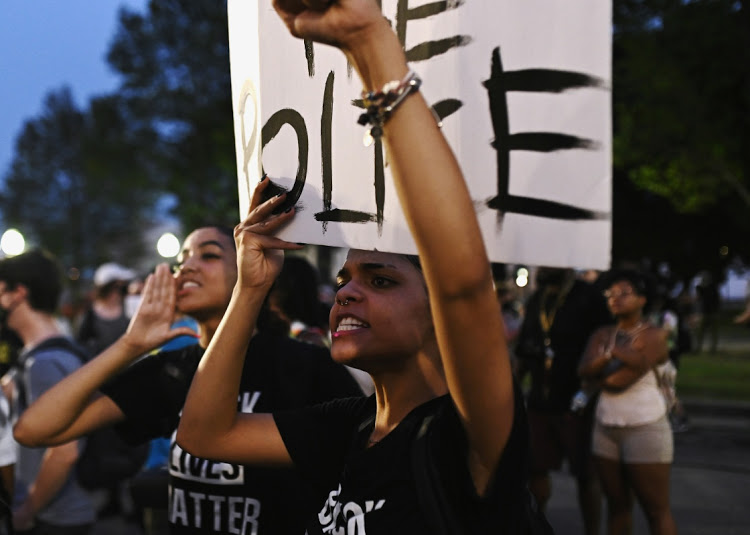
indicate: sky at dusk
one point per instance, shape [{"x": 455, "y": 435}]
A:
[{"x": 47, "y": 44}]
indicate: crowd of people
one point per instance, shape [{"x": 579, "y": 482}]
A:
[
  {"x": 249, "y": 393},
  {"x": 608, "y": 422}
]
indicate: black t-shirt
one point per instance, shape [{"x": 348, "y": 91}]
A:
[
  {"x": 582, "y": 312},
  {"x": 373, "y": 490},
  {"x": 213, "y": 497}
]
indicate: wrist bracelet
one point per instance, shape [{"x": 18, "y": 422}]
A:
[{"x": 379, "y": 105}]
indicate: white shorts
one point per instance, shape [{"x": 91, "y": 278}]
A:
[{"x": 638, "y": 444}]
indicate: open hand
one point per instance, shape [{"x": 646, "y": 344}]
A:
[{"x": 151, "y": 325}]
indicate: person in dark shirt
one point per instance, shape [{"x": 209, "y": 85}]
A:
[
  {"x": 48, "y": 497},
  {"x": 105, "y": 319},
  {"x": 560, "y": 316},
  {"x": 145, "y": 400},
  {"x": 428, "y": 331}
]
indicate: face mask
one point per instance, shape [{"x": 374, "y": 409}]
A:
[
  {"x": 4, "y": 315},
  {"x": 130, "y": 304},
  {"x": 5, "y": 331}
]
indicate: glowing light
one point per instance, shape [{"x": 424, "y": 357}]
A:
[
  {"x": 522, "y": 277},
  {"x": 12, "y": 243},
  {"x": 168, "y": 245}
]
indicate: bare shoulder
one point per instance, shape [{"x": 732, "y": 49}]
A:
[{"x": 655, "y": 333}]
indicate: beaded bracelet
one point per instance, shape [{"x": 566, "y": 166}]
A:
[{"x": 380, "y": 104}]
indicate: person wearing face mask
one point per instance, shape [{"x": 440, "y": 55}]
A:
[
  {"x": 133, "y": 296},
  {"x": 106, "y": 319},
  {"x": 144, "y": 401},
  {"x": 48, "y": 498},
  {"x": 103, "y": 322}
]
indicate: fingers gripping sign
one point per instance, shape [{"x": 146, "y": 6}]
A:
[
  {"x": 151, "y": 325},
  {"x": 260, "y": 254},
  {"x": 335, "y": 22}
]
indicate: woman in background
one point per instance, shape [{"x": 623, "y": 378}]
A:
[{"x": 632, "y": 440}]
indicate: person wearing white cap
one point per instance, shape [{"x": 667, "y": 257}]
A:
[
  {"x": 112, "y": 272},
  {"x": 105, "y": 320}
]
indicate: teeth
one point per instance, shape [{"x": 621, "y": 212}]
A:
[
  {"x": 350, "y": 324},
  {"x": 190, "y": 284}
]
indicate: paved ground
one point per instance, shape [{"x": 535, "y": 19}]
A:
[{"x": 710, "y": 477}]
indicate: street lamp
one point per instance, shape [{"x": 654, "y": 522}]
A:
[
  {"x": 168, "y": 245},
  {"x": 522, "y": 277},
  {"x": 12, "y": 242}
]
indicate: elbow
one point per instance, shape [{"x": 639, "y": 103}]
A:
[
  {"x": 200, "y": 443},
  {"x": 189, "y": 441},
  {"x": 27, "y": 435}
]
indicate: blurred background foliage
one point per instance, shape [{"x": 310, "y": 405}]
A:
[{"x": 162, "y": 145}]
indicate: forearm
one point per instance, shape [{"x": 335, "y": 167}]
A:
[
  {"x": 621, "y": 379},
  {"x": 218, "y": 376},
  {"x": 54, "y": 470},
  {"x": 431, "y": 188},
  {"x": 55, "y": 411},
  {"x": 592, "y": 368},
  {"x": 594, "y": 363},
  {"x": 631, "y": 358},
  {"x": 441, "y": 216}
]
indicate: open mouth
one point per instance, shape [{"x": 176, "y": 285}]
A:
[
  {"x": 349, "y": 324},
  {"x": 187, "y": 285}
]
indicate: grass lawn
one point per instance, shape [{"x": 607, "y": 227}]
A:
[{"x": 723, "y": 375}]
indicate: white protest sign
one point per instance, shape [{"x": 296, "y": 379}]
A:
[{"x": 523, "y": 87}]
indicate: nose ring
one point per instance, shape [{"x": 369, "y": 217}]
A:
[{"x": 344, "y": 302}]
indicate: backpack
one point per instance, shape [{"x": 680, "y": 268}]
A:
[
  {"x": 434, "y": 503},
  {"x": 106, "y": 458}
]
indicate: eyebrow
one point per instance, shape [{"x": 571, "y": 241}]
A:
[
  {"x": 211, "y": 242},
  {"x": 368, "y": 266},
  {"x": 205, "y": 244}
]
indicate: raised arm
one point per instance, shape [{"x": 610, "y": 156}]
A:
[
  {"x": 441, "y": 217},
  {"x": 216, "y": 430},
  {"x": 74, "y": 407}
]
